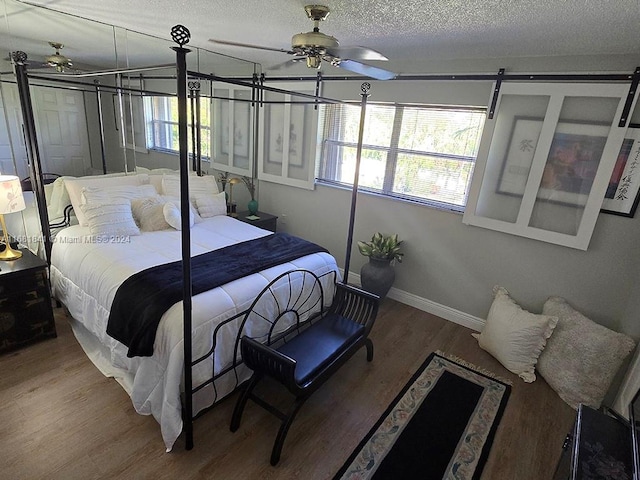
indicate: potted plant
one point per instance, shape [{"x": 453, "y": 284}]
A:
[{"x": 378, "y": 274}]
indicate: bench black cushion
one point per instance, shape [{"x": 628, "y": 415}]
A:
[{"x": 322, "y": 342}]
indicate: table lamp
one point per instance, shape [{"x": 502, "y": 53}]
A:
[
  {"x": 11, "y": 201},
  {"x": 232, "y": 182}
]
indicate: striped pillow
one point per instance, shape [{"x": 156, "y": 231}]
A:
[{"x": 110, "y": 220}]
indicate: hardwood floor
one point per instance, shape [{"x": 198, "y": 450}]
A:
[{"x": 60, "y": 418}]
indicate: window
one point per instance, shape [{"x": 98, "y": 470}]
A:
[
  {"x": 416, "y": 152},
  {"x": 161, "y": 119}
]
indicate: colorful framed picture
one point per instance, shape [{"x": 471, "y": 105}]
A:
[{"x": 571, "y": 165}]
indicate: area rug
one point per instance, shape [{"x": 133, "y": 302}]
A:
[{"x": 440, "y": 426}]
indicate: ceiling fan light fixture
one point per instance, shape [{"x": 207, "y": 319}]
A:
[
  {"x": 314, "y": 61},
  {"x": 57, "y": 60}
]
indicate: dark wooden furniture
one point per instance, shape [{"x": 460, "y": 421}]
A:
[
  {"x": 26, "y": 313},
  {"x": 266, "y": 220},
  {"x": 598, "y": 448},
  {"x": 302, "y": 363}
]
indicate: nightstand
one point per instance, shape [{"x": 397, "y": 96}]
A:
[
  {"x": 266, "y": 220},
  {"x": 26, "y": 314}
]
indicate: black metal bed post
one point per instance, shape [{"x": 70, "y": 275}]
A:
[
  {"x": 181, "y": 35},
  {"x": 101, "y": 125},
  {"x": 192, "y": 101},
  {"x": 365, "y": 87},
  {"x": 194, "y": 86},
  {"x": 31, "y": 144}
]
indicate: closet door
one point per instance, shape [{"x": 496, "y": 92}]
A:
[{"x": 545, "y": 161}]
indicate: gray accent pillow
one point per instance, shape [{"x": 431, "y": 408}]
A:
[
  {"x": 581, "y": 357},
  {"x": 148, "y": 214}
]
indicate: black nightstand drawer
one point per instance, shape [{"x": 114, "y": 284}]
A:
[
  {"x": 26, "y": 313},
  {"x": 23, "y": 281}
]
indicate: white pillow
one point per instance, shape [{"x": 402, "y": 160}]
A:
[
  {"x": 514, "y": 336},
  {"x": 59, "y": 198},
  {"x": 110, "y": 220},
  {"x": 212, "y": 205},
  {"x": 148, "y": 213},
  {"x": 75, "y": 185},
  {"x": 173, "y": 217},
  {"x": 176, "y": 201},
  {"x": 116, "y": 194},
  {"x": 582, "y": 357},
  {"x": 205, "y": 185}
]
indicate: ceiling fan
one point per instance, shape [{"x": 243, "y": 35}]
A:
[
  {"x": 57, "y": 60},
  {"x": 315, "y": 46}
]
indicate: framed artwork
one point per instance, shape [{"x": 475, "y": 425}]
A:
[
  {"x": 241, "y": 128},
  {"x": 223, "y": 116},
  {"x": 623, "y": 193},
  {"x": 571, "y": 165},
  {"x": 296, "y": 135},
  {"x": 519, "y": 156},
  {"x": 275, "y": 135}
]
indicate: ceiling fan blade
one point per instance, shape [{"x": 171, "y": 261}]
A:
[
  {"x": 288, "y": 63},
  {"x": 366, "y": 70},
  {"x": 248, "y": 45},
  {"x": 356, "y": 53}
]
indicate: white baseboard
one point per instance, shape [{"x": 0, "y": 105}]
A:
[{"x": 426, "y": 305}]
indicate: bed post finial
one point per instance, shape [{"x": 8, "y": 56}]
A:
[
  {"x": 180, "y": 34},
  {"x": 19, "y": 57}
]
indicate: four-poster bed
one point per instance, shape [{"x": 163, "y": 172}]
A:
[{"x": 89, "y": 263}]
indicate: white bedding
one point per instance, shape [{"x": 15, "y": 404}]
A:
[{"x": 86, "y": 273}]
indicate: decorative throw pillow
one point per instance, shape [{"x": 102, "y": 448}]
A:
[
  {"x": 74, "y": 186},
  {"x": 176, "y": 201},
  {"x": 514, "y": 336},
  {"x": 212, "y": 205},
  {"x": 173, "y": 217},
  {"x": 205, "y": 185},
  {"x": 582, "y": 357},
  {"x": 148, "y": 214},
  {"x": 110, "y": 220}
]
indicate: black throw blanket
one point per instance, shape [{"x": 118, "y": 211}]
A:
[{"x": 143, "y": 298}]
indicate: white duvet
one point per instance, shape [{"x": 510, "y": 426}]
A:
[{"x": 86, "y": 273}]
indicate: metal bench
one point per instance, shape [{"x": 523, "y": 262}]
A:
[{"x": 308, "y": 352}]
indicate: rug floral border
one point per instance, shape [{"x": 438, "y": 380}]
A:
[{"x": 472, "y": 449}]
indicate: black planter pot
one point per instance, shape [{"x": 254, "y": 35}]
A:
[{"x": 377, "y": 276}]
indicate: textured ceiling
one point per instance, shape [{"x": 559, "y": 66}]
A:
[{"x": 409, "y": 33}]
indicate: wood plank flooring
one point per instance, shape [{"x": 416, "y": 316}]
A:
[{"x": 60, "y": 418}]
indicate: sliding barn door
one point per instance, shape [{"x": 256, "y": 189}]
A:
[{"x": 545, "y": 161}]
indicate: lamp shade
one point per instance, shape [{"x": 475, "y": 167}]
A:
[{"x": 11, "y": 199}]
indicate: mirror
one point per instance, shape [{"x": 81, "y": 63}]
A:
[{"x": 634, "y": 420}]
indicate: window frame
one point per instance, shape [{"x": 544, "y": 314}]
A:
[
  {"x": 393, "y": 151},
  {"x": 151, "y": 122}
]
